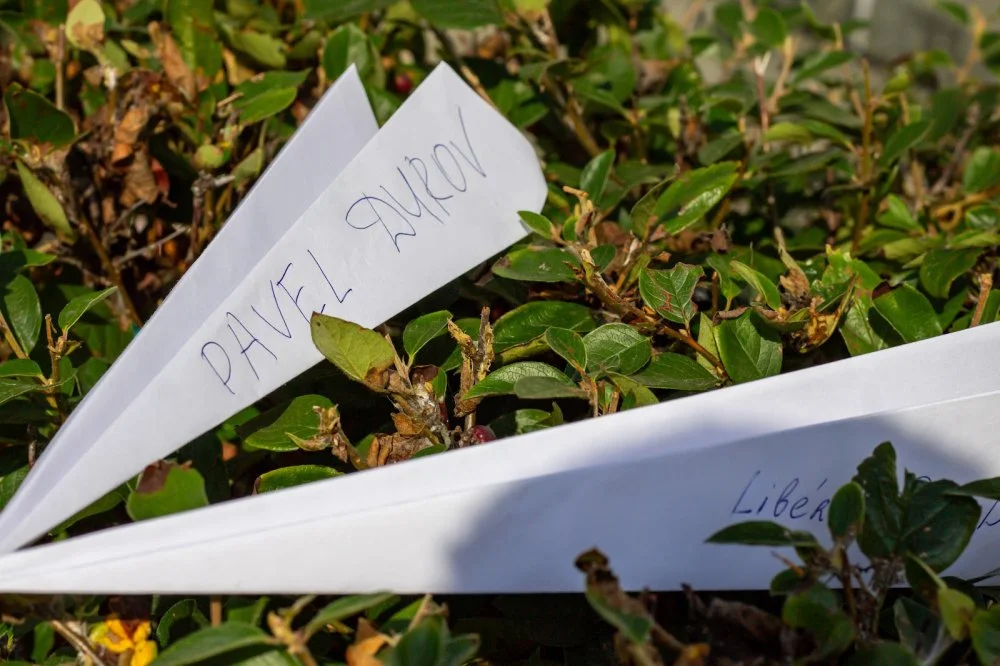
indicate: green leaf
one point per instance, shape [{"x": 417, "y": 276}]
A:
[
  {"x": 34, "y": 118},
  {"x": 985, "y": 631},
  {"x": 423, "y": 329},
  {"x": 898, "y": 216},
  {"x": 338, "y": 11},
  {"x": 278, "y": 429},
  {"x": 983, "y": 170},
  {"x": 265, "y": 49},
  {"x": 297, "y": 475},
  {"x": 883, "y": 654},
  {"x": 938, "y": 525},
  {"x": 20, "y": 367},
  {"x": 80, "y": 305},
  {"x": 250, "y": 167},
  {"x": 546, "y": 388},
  {"x": 540, "y": 224},
  {"x": 184, "y": 609},
  {"x": 677, "y": 372},
  {"x": 257, "y": 108},
  {"x": 816, "y": 609},
  {"x": 692, "y": 195},
  {"x": 595, "y": 175},
  {"x": 984, "y": 488},
  {"x": 616, "y": 348},
  {"x": 22, "y": 310},
  {"x": 643, "y": 214},
  {"x": 466, "y": 15},
  {"x": 212, "y": 642},
  {"x": 749, "y": 350},
  {"x": 635, "y": 627},
  {"x": 15, "y": 388},
  {"x": 761, "y": 533},
  {"x": 529, "y": 322},
  {"x": 603, "y": 255},
  {"x": 344, "y": 608},
  {"x": 817, "y": 63},
  {"x": 503, "y": 380},
  {"x": 957, "y": 611},
  {"x": 165, "y": 489},
  {"x": 669, "y": 292},
  {"x": 46, "y": 206},
  {"x": 883, "y": 508},
  {"x": 531, "y": 264},
  {"x": 957, "y": 10},
  {"x": 847, "y": 510},
  {"x": 917, "y": 625},
  {"x": 360, "y": 353},
  {"x": 909, "y": 313},
  {"x": 766, "y": 289},
  {"x": 902, "y": 140},
  {"x": 942, "y": 267},
  {"x": 769, "y": 28},
  {"x": 787, "y": 131},
  {"x": 10, "y": 483},
  {"x": 100, "y": 505},
  {"x": 569, "y": 345},
  {"x": 719, "y": 147},
  {"x": 348, "y": 45}
]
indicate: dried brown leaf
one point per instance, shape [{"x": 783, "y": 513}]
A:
[{"x": 177, "y": 71}]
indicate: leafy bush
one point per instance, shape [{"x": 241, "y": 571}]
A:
[{"x": 726, "y": 202}]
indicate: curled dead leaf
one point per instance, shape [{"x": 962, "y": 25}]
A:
[
  {"x": 389, "y": 449},
  {"x": 127, "y": 132},
  {"x": 177, "y": 71},
  {"x": 140, "y": 183}
]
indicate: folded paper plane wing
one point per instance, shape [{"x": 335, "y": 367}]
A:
[
  {"x": 647, "y": 486},
  {"x": 432, "y": 195}
]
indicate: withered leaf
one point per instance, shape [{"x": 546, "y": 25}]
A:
[
  {"x": 389, "y": 449},
  {"x": 140, "y": 183},
  {"x": 127, "y": 132},
  {"x": 177, "y": 71}
]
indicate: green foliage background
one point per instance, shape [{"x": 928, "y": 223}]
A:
[{"x": 730, "y": 197}]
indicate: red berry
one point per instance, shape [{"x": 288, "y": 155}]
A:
[
  {"x": 402, "y": 83},
  {"x": 481, "y": 434}
]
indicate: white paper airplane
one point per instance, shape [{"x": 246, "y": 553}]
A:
[
  {"x": 647, "y": 486},
  {"x": 434, "y": 193}
]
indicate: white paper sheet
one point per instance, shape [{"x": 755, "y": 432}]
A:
[
  {"x": 432, "y": 195},
  {"x": 646, "y": 486}
]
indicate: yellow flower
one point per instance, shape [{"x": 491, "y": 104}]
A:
[{"x": 120, "y": 637}]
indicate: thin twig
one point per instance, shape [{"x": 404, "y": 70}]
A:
[
  {"x": 78, "y": 642},
  {"x": 60, "y": 74},
  {"x": 155, "y": 245},
  {"x": 985, "y": 285}
]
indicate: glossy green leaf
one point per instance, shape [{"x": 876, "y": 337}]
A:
[
  {"x": 10, "y": 483},
  {"x": 192, "y": 24},
  {"x": 529, "y": 322},
  {"x": 264, "y": 105},
  {"x": 423, "y": 329},
  {"x": 467, "y": 15},
  {"x": 909, "y": 313},
  {"x": 296, "y": 475},
  {"x": 360, "y": 353},
  {"x": 537, "y": 265},
  {"x": 669, "y": 292},
  {"x": 569, "y": 345},
  {"x": 80, "y": 305},
  {"x": 20, "y": 367},
  {"x": 346, "y": 46},
  {"x": 265, "y": 49},
  {"x": 942, "y": 267},
  {"x": 546, "y": 388},
  {"x": 279, "y": 429},
  {"x": 22, "y": 310},
  {"x": 34, "y": 118},
  {"x": 691, "y": 196},
  {"x": 982, "y": 172},
  {"x": 344, "y": 608},
  {"x": 898, "y": 216},
  {"x": 173, "y": 489},
  {"x": 595, "y": 175},
  {"x": 616, "y": 348},
  {"x": 677, "y": 372},
  {"x": 503, "y": 380},
  {"x": 540, "y": 224},
  {"x": 15, "y": 388},
  {"x": 766, "y": 290},
  {"x": 643, "y": 213},
  {"x": 46, "y": 206},
  {"x": 847, "y": 510},
  {"x": 749, "y": 349},
  {"x": 185, "y": 609},
  {"x": 213, "y": 642},
  {"x": 761, "y": 533},
  {"x": 788, "y": 131}
]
